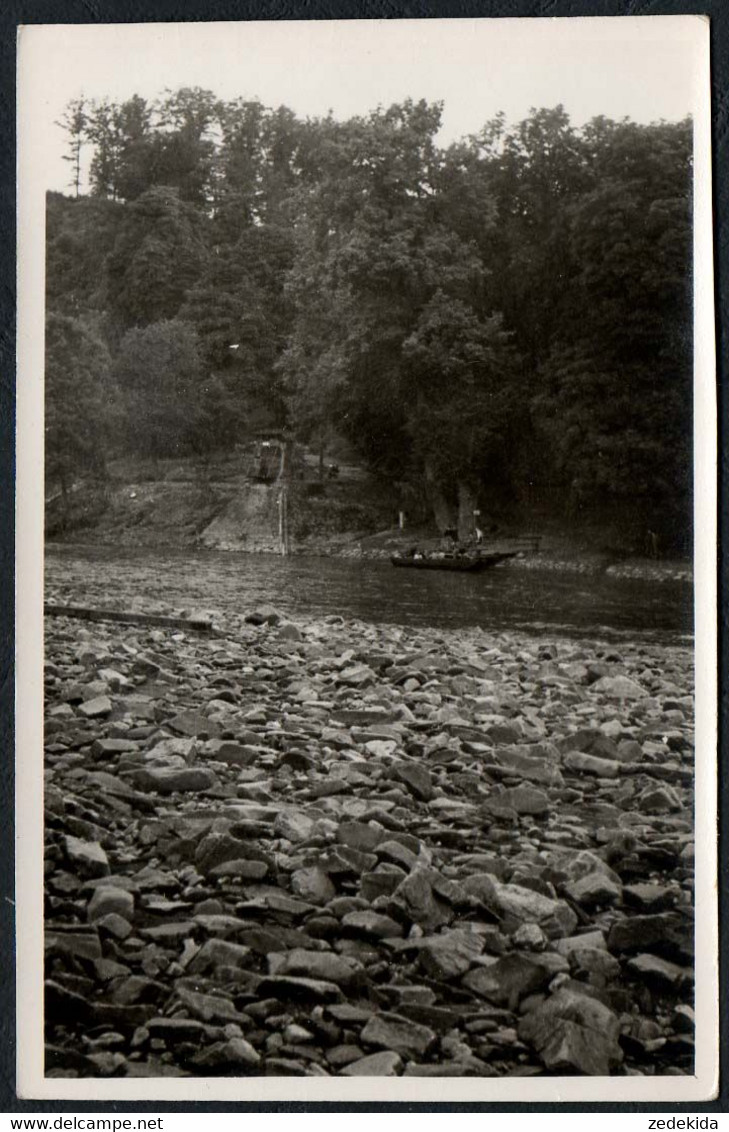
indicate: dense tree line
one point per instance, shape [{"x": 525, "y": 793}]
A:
[{"x": 504, "y": 320}]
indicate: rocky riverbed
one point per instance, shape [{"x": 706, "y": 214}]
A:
[{"x": 318, "y": 847}]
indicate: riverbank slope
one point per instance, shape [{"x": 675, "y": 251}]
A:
[{"x": 185, "y": 504}]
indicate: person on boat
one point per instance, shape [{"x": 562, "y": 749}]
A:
[{"x": 478, "y": 536}]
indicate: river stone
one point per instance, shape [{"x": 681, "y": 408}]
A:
[
  {"x": 524, "y": 905},
  {"x": 397, "y": 1034},
  {"x": 343, "y": 861},
  {"x": 194, "y": 724},
  {"x": 299, "y": 989},
  {"x": 287, "y": 631},
  {"x": 380, "y": 748},
  {"x": 637, "y": 933},
  {"x": 171, "y": 934},
  {"x": 88, "y": 858},
  {"x": 572, "y": 866},
  {"x": 341, "y": 1055},
  {"x": 313, "y": 884},
  {"x": 591, "y": 939},
  {"x": 659, "y": 972},
  {"x": 216, "y": 953},
  {"x": 526, "y": 800},
  {"x": 240, "y": 867},
  {"x": 173, "y": 780},
  {"x": 263, "y": 615},
  {"x": 92, "y": 709},
  {"x": 598, "y": 964},
  {"x": 108, "y": 899},
  {"x": 385, "y": 1064},
  {"x": 573, "y": 1033},
  {"x": 324, "y": 965},
  {"x": 529, "y": 937},
  {"x": 529, "y": 767},
  {"x": 209, "y": 1007},
  {"x": 507, "y": 980},
  {"x": 382, "y": 882},
  {"x": 649, "y": 897},
  {"x": 215, "y": 848},
  {"x": 590, "y": 764},
  {"x": 658, "y": 800},
  {"x": 414, "y": 895},
  {"x": 172, "y": 1030},
  {"x": 107, "y": 748},
  {"x": 294, "y": 825},
  {"x": 171, "y": 746},
  {"x": 505, "y": 733},
  {"x": 417, "y": 779},
  {"x": 372, "y": 925},
  {"x": 595, "y": 889},
  {"x": 619, "y": 687},
  {"x": 358, "y": 835},
  {"x": 226, "y": 1055},
  {"x": 449, "y": 955},
  {"x": 83, "y": 943},
  {"x": 397, "y": 854},
  {"x": 684, "y": 1019},
  {"x": 236, "y": 754}
]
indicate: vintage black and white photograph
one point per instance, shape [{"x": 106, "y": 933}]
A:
[{"x": 368, "y": 399}]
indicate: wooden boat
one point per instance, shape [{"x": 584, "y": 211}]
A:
[{"x": 460, "y": 562}]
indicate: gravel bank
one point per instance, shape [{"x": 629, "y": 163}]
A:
[{"x": 327, "y": 847}]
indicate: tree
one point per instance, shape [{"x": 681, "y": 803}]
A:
[
  {"x": 393, "y": 343},
  {"x": 80, "y": 235},
  {"x": 158, "y": 256},
  {"x": 74, "y": 122},
  {"x": 617, "y": 402},
  {"x": 104, "y": 131},
  {"x": 77, "y": 400},
  {"x": 160, "y": 378},
  {"x": 511, "y": 314}
]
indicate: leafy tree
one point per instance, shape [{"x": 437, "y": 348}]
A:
[
  {"x": 182, "y": 149},
  {"x": 619, "y": 373},
  {"x": 104, "y": 131},
  {"x": 132, "y": 125},
  {"x": 510, "y": 315},
  {"x": 159, "y": 374},
  {"x": 76, "y": 400},
  {"x": 391, "y": 342},
  {"x": 80, "y": 235},
  {"x": 74, "y": 121},
  {"x": 242, "y": 317},
  {"x": 158, "y": 256}
]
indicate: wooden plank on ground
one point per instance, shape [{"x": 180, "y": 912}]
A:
[{"x": 85, "y": 613}]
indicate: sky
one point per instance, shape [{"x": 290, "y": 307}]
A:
[{"x": 644, "y": 68}]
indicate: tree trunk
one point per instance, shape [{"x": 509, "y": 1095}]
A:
[
  {"x": 467, "y": 504},
  {"x": 442, "y": 509}
]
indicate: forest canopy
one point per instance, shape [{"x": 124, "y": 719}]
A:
[{"x": 509, "y": 315}]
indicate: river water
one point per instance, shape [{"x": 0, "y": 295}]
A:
[{"x": 508, "y": 597}]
